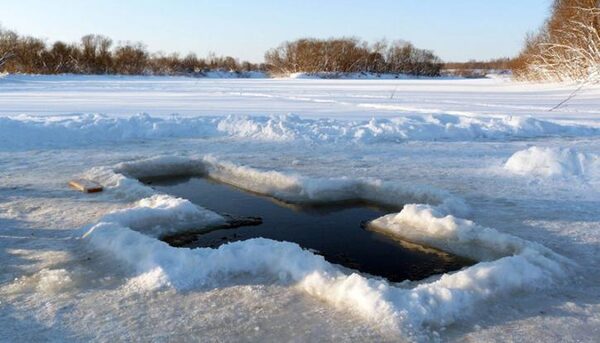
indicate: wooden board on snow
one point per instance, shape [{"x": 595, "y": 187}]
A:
[{"x": 86, "y": 186}]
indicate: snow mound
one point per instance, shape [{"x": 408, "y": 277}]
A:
[
  {"x": 53, "y": 281},
  {"x": 510, "y": 264},
  {"x": 553, "y": 162},
  {"x": 28, "y": 131}
]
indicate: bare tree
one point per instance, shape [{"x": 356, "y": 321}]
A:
[
  {"x": 96, "y": 54},
  {"x": 130, "y": 59},
  {"x": 8, "y": 43}
]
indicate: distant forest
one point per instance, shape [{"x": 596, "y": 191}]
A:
[{"x": 97, "y": 54}]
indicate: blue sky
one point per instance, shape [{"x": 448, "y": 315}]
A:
[{"x": 456, "y": 30}]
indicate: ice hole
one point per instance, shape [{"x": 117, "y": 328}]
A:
[{"x": 337, "y": 231}]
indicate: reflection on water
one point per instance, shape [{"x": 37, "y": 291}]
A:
[{"x": 337, "y": 231}]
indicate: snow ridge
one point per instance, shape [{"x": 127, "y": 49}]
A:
[{"x": 27, "y": 131}]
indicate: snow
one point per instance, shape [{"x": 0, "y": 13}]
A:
[
  {"x": 427, "y": 225},
  {"x": 529, "y": 265},
  {"x": 484, "y": 169},
  {"x": 161, "y": 215},
  {"x": 54, "y": 280},
  {"x": 23, "y": 132},
  {"x": 333, "y": 99},
  {"x": 554, "y": 162}
]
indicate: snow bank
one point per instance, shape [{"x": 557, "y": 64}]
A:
[
  {"x": 161, "y": 215},
  {"x": 414, "y": 127},
  {"x": 510, "y": 264},
  {"x": 296, "y": 188},
  {"x": 428, "y": 225},
  {"x": 121, "y": 181},
  {"x": 26, "y": 131},
  {"x": 553, "y": 162},
  {"x": 162, "y": 166},
  {"x": 118, "y": 185}
]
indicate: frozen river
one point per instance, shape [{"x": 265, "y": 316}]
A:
[{"x": 487, "y": 172}]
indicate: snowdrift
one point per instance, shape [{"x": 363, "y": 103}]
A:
[
  {"x": 509, "y": 264},
  {"x": 29, "y": 131},
  {"x": 554, "y": 162}
]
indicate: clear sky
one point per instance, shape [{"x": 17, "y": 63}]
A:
[{"x": 457, "y": 30}]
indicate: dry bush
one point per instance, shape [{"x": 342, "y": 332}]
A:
[{"x": 567, "y": 48}]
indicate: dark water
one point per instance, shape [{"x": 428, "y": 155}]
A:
[{"x": 333, "y": 231}]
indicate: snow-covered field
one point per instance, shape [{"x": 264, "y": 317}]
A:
[{"x": 488, "y": 173}]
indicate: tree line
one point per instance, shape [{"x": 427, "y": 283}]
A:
[
  {"x": 566, "y": 48},
  {"x": 96, "y": 54},
  {"x": 347, "y": 55}
]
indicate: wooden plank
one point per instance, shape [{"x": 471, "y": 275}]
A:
[{"x": 86, "y": 186}]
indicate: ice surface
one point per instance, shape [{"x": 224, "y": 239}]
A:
[
  {"x": 490, "y": 171},
  {"x": 528, "y": 265}
]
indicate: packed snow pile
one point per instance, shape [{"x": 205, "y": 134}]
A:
[
  {"x": 554, "y": 162},
  {"x": 53, "y": 281},
  {"x": 161, "y": 215},
  {"x": 25, "y": 131},
  {"x": 510, "y": 264},
  {"x": 430, "y": 225}
]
